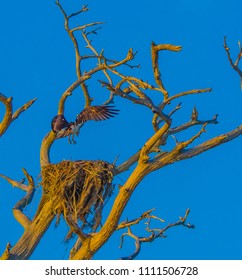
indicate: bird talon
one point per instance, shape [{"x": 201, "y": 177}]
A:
[{"x": 95, "y": 113}]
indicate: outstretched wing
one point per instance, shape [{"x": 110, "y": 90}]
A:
[
  {"x": 58, "y": 123},
  {"x": 96, "y": 113}
]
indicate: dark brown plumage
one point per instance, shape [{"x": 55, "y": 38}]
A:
[
  {"x": 96, "y": 113},
  {"x": 58, "y": 123}
]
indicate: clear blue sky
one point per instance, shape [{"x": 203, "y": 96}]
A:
[{"x": 37, "y": 60}]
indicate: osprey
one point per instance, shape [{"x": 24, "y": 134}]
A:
[
  {"x": 95, "y": 113},
  {"x": 58, "y": 123}
]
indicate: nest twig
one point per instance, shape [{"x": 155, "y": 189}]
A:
[{"x": 80, "y": 188}]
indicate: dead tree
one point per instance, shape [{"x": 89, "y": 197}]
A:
[{"x": 78, "y": 190}]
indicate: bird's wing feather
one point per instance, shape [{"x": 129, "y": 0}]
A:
[{"x": 96, "y": 113}]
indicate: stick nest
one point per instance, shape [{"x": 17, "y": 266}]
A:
[{"x": 79, "y": 189}]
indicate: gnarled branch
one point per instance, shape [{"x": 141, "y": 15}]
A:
[
  {"x": 234, "y": 65},
  {"x": 20, "y": 205},
  {"x": 154, "y": 233},
  {"x": 154, "y": 57},
  {"x": 9, "y": 116}
]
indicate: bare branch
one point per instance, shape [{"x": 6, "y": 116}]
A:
[
  {"x": 125, "y": 224},
  {"x": 83, "y": 27},
  {"x": 234, "y": 65},
  {"x": 128, "y": 163},
  {"x": 137, "y": 245},
  {"x": 135, "y": 157},
  {"x": 212, "y": 143},
  {"x": 181, "y": 222},
  {"x": 61, "y": 105},
  {"x": 191, "y": 123},
  {"x": 14, "y": 183},
  {"x": 83, "y": 9},
  {"x": 20, "y": 205},
  {"x": 142, "y": 98},
  {"x": 34, "y": 232},
  {"x": 167, "y": 158},
  {"x": 185, "y": 144},
  {"x": 155, "y": 56},
  {"x": 155, "y": 233},
  {"x": 9, "y": 116},
  {"x": 23, "y": 108},
  {"x": 135, "y": 90},
  {"x": 51, "y": 136},
  {"x": 100, "y": 59},
  {"x": 156, "y": 120},
  {"x": 178, "y": 107},
  {"x": 239, "y": 55},
  {"x": 57, "y": 2},
  {"x": 179, "y": 153},
  {"x": 77, "y": 52},
  {"x": 189, "y": 92}
]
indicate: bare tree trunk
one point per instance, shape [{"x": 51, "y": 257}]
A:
[
  {"x": 152, "y": 156},
  {"x": 33, "y": 234}
]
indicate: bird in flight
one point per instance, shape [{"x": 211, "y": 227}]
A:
[
  {"x": 63, "y": 128},
  {"x": 96, "y": 113},
  {"x": 58, "y": 123}
]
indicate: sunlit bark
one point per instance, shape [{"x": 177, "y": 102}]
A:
[{"x": 152, "y": 155}]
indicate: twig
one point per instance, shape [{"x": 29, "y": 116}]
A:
[
  {"x": 135, "y": 157},
  {"x": 234, "y": 65},
  {"x": 83, "y": 27},
  {"x": 23, "y": 108},
  {"x": 51, "y": 136},
  {"x": 141, "y": 98},
  {"x": 83, "y": 9},
  {"x": 182, "y": 145},
  {"x": 155, "y": 233},
  {"x": 70, "y": 32},
  {"x": 99, "y": 56},
  {"x": 180, "y": 153},
  {"x": 125, "y": 224}
]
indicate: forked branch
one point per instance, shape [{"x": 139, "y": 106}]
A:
[
  {"x": 234, "y": 65},
  {"x": 26, "y": 200},
  {"x": 51, "y": 136},
  {"x": 154, "y": 233},
  {"x": 72, "y": 36},
  {"x": 150, "y": 157},
  {"x": 9, "y": 116}
]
